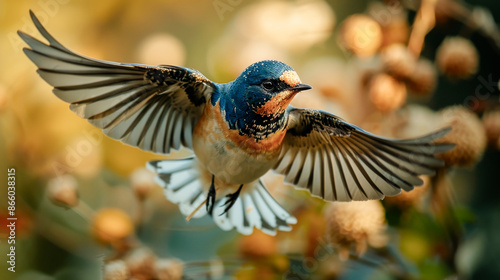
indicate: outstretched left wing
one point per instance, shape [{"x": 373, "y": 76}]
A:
[
  {"x": 152, "y": 107},
  {"x": 339, "y": 161}
]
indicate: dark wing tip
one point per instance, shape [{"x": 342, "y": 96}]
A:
[
  {"x": 441, "y": 147},
  {"x": 447, "y": 129},
  {"x": 36, "y": 21},
  {"x": 442, "y": 132},
  {"x": 24, "y": 36},
  {"x": 53, "y": 42},
  {"x": 32, "y": 15},
  {"x": 21, "y": 33},
  {"x": 445, "y": 147}
]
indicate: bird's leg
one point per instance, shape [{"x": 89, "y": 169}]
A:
[
  {"x": 231, "y": 199},
  {"x": 211, "y": 197}
]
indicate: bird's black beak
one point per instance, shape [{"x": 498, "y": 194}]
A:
[{"x": 301, "y": 87}]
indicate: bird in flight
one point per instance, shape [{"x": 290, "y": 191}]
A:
[{"x": 238, "y": 131}]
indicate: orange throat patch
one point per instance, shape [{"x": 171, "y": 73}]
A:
[
  {"x": 280, "y": 101},
  {"x": 270, "y": 146},
  {"x": 277, "y": 104}
]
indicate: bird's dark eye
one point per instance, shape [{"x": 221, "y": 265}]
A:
[{"x": 269, "y": 85}]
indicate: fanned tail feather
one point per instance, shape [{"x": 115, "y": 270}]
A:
[
  {"x": 181, "y": 180},
  {"x": 254, "y": 208}
]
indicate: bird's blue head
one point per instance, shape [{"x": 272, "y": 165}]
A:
[
  {"x": 261, "y": 93},
  {"x": 267, "y": 87}
]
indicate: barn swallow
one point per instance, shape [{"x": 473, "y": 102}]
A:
[{"x": 238, "y": 131}]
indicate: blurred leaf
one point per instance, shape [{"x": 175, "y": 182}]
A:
[
  {"x": 434, "y": 269},
  {"x": 463, "y": 214}
]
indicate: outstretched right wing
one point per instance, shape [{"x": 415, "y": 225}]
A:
[
  {"x": 339, "y": 161},
  {"x": 152, "y": 107}
]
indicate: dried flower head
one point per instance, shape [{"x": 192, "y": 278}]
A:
[
  {"x": 423, "y": 80},
  {"x": 398, "y": 61},
  {"x": 116, "y": 270},
  {"x": 467, "y": 133},
  {"x": 360, "y": 35},
  {"x": 355, "y": 224},
  {"x": 142, "y": 181},
  {"x": 258, "y": 245},
  {"x": 62, "y": 190},
  {"x": 412, "y": 198},
  {"x": 491, "y": 122},
  {"x": 393, "y": 20},
  {"x": 111, "y": 225},
  {"x": 457, "y": 57},
  {"x": 169, "y": 269},
  {"x": 140, "y": 263},
  {"x": 396, "y": 32},
  {"x": 386, "y": 93}
]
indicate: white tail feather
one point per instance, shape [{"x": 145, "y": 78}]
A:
[{"x": 254, "y": 208}]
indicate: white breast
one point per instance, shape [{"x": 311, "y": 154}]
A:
[
  {"x": 229, "y": 163},
  {"x": 225, "y": 158}
]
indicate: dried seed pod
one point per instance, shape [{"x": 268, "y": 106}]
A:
[
  {"x": 386, "y": 93},
  {"x": 169, "y": 269},
  {"x": 140, "y": 263},
  {"x": 62, "y": 191},
  {"x": 457, "y": 57},
  {"x": 111, "y": 225},
  {"x": 360, "y": 35},
  {"x": 393, "y": 19},
  {"x": 116, "y": 270},
  {"x": 467, "y": 133},
  {"x": 491, "y": 122},
  {"x": 355, "y": 224},
  {"x": 398, "y": 61},
  {"x": 142, "y": 182}
]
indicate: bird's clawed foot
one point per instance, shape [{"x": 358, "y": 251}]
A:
[
  {"x": 211, "y": 197},
  {"x": 231, "y": 200}
]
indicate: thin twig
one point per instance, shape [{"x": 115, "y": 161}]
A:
[
  {"x": 196, "y": 210},
  {"x": 424, "y": 22}
]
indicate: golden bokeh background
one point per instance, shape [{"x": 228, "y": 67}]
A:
[{"x": 87, "y": 209}]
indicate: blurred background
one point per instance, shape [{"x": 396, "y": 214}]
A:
[{"x": 87, "y": 209}]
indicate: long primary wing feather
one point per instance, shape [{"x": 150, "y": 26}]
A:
[
  {"x": 339, "y": 161},
  {"x": 151, "y": 107}
]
